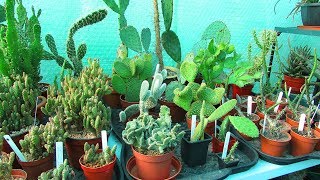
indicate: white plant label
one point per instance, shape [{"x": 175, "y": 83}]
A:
[
  {"x": 14, "y": 148},
  {"x": 278, "y": 101},
  {"x": 289, "y": 92},
  {"x": 225, "y": 146},
  {"x": 35, "y": 113},
  {"x": 215, "y": 128},
  {"x": 104, "y": 140},
  {"x": 59, "y": 154},
  {"x": 314, "y": 114},
  {"x": 249, "y": 105},
  {"x": 264, "y": 123},
  {"x": 301, "y": 122},
  {"x": 193, "y": 124}
]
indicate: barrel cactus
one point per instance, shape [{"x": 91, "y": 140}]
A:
[
  {"x": 92, "y": 158},
  {"x": 6, "y": 161},
  {"x": 63, "y": 172}
]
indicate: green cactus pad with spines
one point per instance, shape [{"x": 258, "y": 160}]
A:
[
  {"x": 222, "y": 110},
  {"x": 170, "y": 88},
  {"x": 171, "y": 44},
  {"x": 244, "y": 126},
  {"x": 130, "y": 37},
  {"x": 189, "y": 70},
  {"x": 196, "y": 107},
  {"x": 167, "y": 12},
  {"x": 213, "y": 96},
  {"x": 123, "y": 69},
  {"x": 183, "y": 98},
  {"x": 146, "y": 38},
  {"x": 224, "y": 129}
]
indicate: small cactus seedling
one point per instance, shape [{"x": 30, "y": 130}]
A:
[
  {"x": 93, "y": 158},
  {"x": 231, "y": 156},
  {"x": 6, "y": 161},
  {"x": 63, "y": 172}
]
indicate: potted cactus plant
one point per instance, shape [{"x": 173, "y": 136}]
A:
[
  {"x": 6, "y": 171},
  {"x": 231, "y": 160},
  {"x": 83, "y": 115},
  {"x": 97, "y": 163},
  {"x": 63, "y": 172}
]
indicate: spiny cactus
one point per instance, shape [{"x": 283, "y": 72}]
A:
[
  {"x": 63, "y": 172},
  {"x": 129, "y": 74},
  {"x": 92, "y": 158},
  {"x": 148, "y": 98},
  {"x": 298, "y": 62},
  {"x": 17, "y": 103},
  {"x": 147, "y": 134},
  {"x": 6, "y": 161},
  {"x": 20, "y": 45},
  {"x": 231, "y": 155},
  {"x": 75, "y": 56}
]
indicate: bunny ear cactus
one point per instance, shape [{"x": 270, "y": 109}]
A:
[
  {"x": 92, "y": 158},
  {"x": 6, "y": 165},
  {"x": 63, "y": 172},
  {"x": 169, "y": 93}
]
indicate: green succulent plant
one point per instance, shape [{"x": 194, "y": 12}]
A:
[
  {"x": 92, "y": 158},
  {"x": 231, "y": 155},
  {"x": 6, "y": 162},
  {"x": 63, "y": 172},
  {"x": 169, "y": 93}
]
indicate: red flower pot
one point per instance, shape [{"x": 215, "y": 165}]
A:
[
  {"x": 282, "y": 105},
  {"x": 104, "y": 172},
  {"x": 177, "y": 113},
  {"x": 217, "y": 145},
  {"x": 124, "y": 103},
  {"x": 301, "y": 145},
  {"x": 295, "y": 83},
  {"x": 153, "y": 167},
  {"x": 35, "y": 168},
  {"x": 209, "y": 129},
  {"x": 246, "y": 90},
  {"x": 274, "y": 147},
  {"x": 112, "y": 99},
  {"x": 290, "y": 120},
  {"x": 18, "y": 174},
  {"x": 316, "y": 127}
]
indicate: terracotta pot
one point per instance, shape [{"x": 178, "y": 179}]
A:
[
  {"x": 254, "y": 118},
  {"x": 39, "y": 113},
  {"x": 274, "y": 147},
  {"x": 295, "y": 83},
  {"x": 291, "y": 121},
  {"x": 153, "y": 167},
  {"x": 177, "y": 113},
  {"x": 316, "y": 127},
  {"x": 35, "y": 168},
  {"x": 209, "y": 129},
  {"x": 75, "y": 150},
  {"x": 244, "y": 105},
  {"x": 104, "y": 172},
  {"x": 282, "y": 105},
  {"x": 43, "y": 87},
  {"x": 217, "y": 145},
  {"x": 18, "y": 174},
  {"x": 301, "y": 145},
  {"x": 112, "y": 99},
  {"x": 124, "y": 103},
  {"x": 246, "y": 90},
  {"x": 286, "y": 126},
  {"x": 261, "y": 114}
]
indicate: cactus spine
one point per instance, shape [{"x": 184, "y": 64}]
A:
[{"x": 92, "y": 158}]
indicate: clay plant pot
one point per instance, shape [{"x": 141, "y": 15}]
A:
[
  {"x": 246, "y": 90},
  {"x": 282, "y": 105},
  {"x": 274, "y": 147},
  {"x": 316, "y": 127},
  {"x": 290, "y": 120},
  {"x": 295, "y": 83},
  {"x": 112, "y": 99},
  {"x": 261, "y": 114},
  {"x": 286, "y": 127},
  {"x": 222, "y": 164},
  {"x": 209, "y": 129},
  {"x": 217, "y": 145},
  {"x": 177, "y": 113},
  {"x": 103, "y": 172},
  {"x": 43, "y": 87},
  {"x": 124, "y": 103},
  {"x": 301, "y": 145},
  {"x": 75, "y": 150},
  {"x": 189, "y": 149},
  {"x": 244, "y": 105},
  {"x": 155, "y": 167},
  {"x": 18, "y": 174},
  {"x": 35, "y": 168}
]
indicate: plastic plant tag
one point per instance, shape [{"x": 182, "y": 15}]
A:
[
  {"x": 14, "y": 148},
  {"x": 225, "y": 146},
  {"x": 215, "y": 128},
  {"x": 193, "y": 124},
  {"x": 264, "y": 123},
  {"x": 314, "y": 114},
  {"x": 59, "y": 154},
  {"x": 35, "y": 113},
  {"x": 104, "y": 140},
  {"x": 289, "y": 92},
  {"x": 301, "y": 122},
  {"x": 278, "y": 101},
  {"x": 249, "y": 105}
]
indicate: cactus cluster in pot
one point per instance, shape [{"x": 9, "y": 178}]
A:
[
  {"x": 63, "y": 172},
  {"x": 95, "y": 159},
  {"x": 17, "y": 103},
  {"x": 6, "y": 161},
  {"x": 79, "y": 101},
  {"x": 128, "y": 75}
]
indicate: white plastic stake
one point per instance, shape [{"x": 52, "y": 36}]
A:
[
  {"x": 249, "y": 105},
  {"x": 35, "y": 113},
  {"x": 278, "y": 101},
  {"x": 225, "y": 146},
  {"x": 301, "y": 122},
  {"x": 14, "y": 148},
  {"x": 193, "y": 124},
  {"x": 314, "y": 114},
  {"x": 264, "y": 123},
  {"x": 289, "y": 92},
  {"x": 215, "y": 128},
  {"x": 104, "y": 140},
  {"x": 59, "y": 154}
]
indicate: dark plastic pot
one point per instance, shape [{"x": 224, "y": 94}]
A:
[
  {"x": 104, "y": 172},
  {"x": 310, "y": 13},
  {"x": 222, "y": 164},
  {"x": 177, "y": 113},
  {"x": 295, "y": 83},
  {"x": 194, "y": 153},
  {"x": 18, "y": 174},
  {"x": 246, "y": 90},
  {"x": 124, "y": 103},
  {"x": 35, "y": 168}
]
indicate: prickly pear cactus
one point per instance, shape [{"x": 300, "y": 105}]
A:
[
  {"x": 63, "y": 172},
  {"x": 92, "y": 158},
  {"x": 149, "y": 135},
  {"x": 170, "y": 89},
  {"x": 6, "y": 161},
  {"x": 17, "y": 103}
]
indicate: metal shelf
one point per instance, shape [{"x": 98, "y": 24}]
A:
[{"x": 296, "y": 30}]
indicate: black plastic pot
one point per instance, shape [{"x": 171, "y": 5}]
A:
[
  {"x": 310, "y": 14},
  {"x": 223, "y": 164},
  {"x": 194, "y": 153}
]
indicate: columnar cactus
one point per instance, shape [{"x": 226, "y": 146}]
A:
[
  {"x": 92, "y": 158},
  {"x": 63, "y": 172},
  {"x": 231, "y": 156},
  {"x": 6, "y": 161},
  {"x": 17, "y": 103}
]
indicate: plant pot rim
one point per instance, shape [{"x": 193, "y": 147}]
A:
[
  {"x": 85, "y": 139},
  {"x": 144, "y": 155},
  {"x": 207, "y": 138},
  {"x": 42, "y": 103},
  {"x": 91, "y": 169},
  {"x": 310, "y": 4},
  {"x": 295, "y": 77},
  {"x": 315, "y": 134},
  {"x": 36, "y": 162},
  {"x": 19, "y": 170},
  {"x": 276, "y": 140}
]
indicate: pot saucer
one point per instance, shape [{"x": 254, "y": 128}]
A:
[
  {"x": 174, "y": 171},
  {"x": 316, "y": 28}
]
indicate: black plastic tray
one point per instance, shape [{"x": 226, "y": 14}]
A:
[{"x": 287, "y": 159}]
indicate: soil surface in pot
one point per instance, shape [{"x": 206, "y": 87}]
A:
[
  {"x": 304, "y": 133},
  {"x": 269, "y": 135}
]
